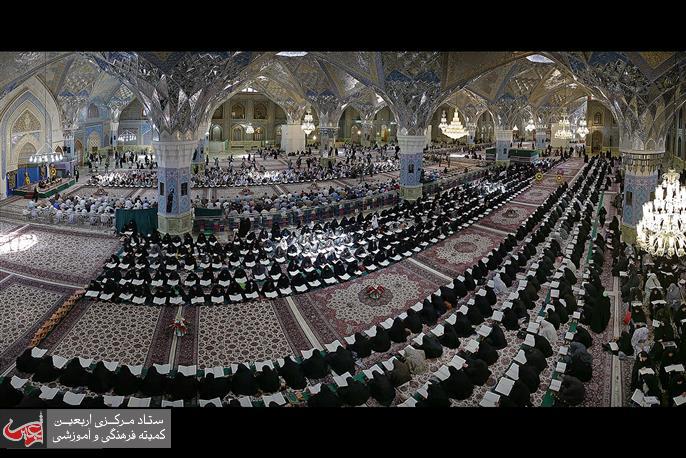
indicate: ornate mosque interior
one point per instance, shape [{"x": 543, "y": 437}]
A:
[{"x": 342, "y": 229}]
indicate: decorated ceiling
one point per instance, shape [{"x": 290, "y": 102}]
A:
[{"x": 180, "y": 90}]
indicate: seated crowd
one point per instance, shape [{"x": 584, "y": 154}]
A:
[
  {"x": 69, "y": 208},
  {"x": 552, "y": 224},
  {"x": 285, "y": 262}
]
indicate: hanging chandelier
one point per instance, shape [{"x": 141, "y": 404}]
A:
[
  {"x": 662, "y": 230},
  {"x": 564, "y": 132},
  {"x": 530, "y": 127},
  {"x": 45, "y": 155},
  {"x": 308, "y": 124},
  {"x": 444, "y": 122},
  {"x": 249, "y": 129},
  {"x": 515, "y": 128},
  {"x": 455, "y": 129},
  {"x": 582, "y": 131}
]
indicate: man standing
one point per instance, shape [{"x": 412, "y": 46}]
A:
[{"x": 76, "y": 174}]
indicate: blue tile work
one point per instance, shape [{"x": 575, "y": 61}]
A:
[
  {"x": 640, "y": 187},
  {"x": 410, "y": 169}
]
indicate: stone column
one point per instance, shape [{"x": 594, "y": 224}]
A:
[
  {"x": 472, "y": 134},
  {"x": 173, "y": 176},
  {"x": 326, "y": 139},
  {"x": 640, "y": 181},
  {"x": 503, "y": 140},
  {"x": 366, "y": 133},
  {"x": 292, "y": 138},
  {"x": 411, "y": 152},
  {"x": 114, "y": 133},
  {"x": 540, "y": 137}
]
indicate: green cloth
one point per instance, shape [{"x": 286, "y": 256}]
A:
[
  {"x": 208, "y": 212},
  {"x": 146, "y": 220}
]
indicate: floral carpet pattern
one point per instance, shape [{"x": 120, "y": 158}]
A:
[
  {"x": 534, "y": 195},
  {"x": 341, "y": 310},
  {"x": 113, "y": 332},
  {"x": 57, "y": 254},
  {"x": 240, "y": 333},
  {"x": 25, "y": 305},
  {"x": 459, "y": 252},
  {"x": 508, "y": 218}
]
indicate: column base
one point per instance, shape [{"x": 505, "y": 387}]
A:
[
  {"x": 175, "y": 225},
  {"x": 411, "y": 192},
  {"x": 628, "y": 234}
]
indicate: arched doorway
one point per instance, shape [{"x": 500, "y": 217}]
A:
[
  {"x": 216, "y": 133},
  {"x": 596, "y": 141}
]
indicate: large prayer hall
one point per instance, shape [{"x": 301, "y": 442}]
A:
[{"x": 341, "y": 229}]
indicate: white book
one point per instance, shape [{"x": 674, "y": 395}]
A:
[
  {"x": 59, "y": 361},
  {"x": 162, "y": 369},
  {"x": 470, "y": 302},
  {"x": 481, "y": 292},
  {"x": 85, "y": 362},
  {"x": 554, "y": 293},
  {"x": 679, "y": 400},
  {"x": 563, "y": 350},
  {"x": 17, "y": 382},
  {"x": 675, "y": 368},
  {"x": 457, "y": 362},
  {"x": 217, "y": 371},
  {"x": 388, "y": 364},
  {"x": 314, "y": 389},
  {"x": 529, "y": 340},
  {"x": 135, "y": 370},
  {"x": 417, "y": 307},
  {"x": 245, "y": 401},
  {"x": 177, "y": 403},
  {"x": 307, "y": 353},
  {"x": 349, "y": 339},
  {"x": 91, "y": 293},
  {"x": 371, "y": 332},
  {"x": 369, "y": 373},
  {"x": 73, "y": 399},
  {"x": 569, "y": 335},
  {"x": 451, "y": 319},
  {"x": 463, "y": 310},
  {"x": 438, "y": 330},
  {"x": 561, "y": 367},
  {"x": 409, "y": 402},
  {"x": 614, "y": 346},
  {"x": 259, "y": 366},
  {"x": 472, "y": 346},
  {"x": 504, "y": 386},
  {"x": 333, "y": 346},
  {"x": 175, "y": 300},
  {"x": 513, "y": 371},
  {"x": 418, "y": 339},
  {"x": 112, "y": 401},
  {"x": 276, "y": 397},
  {"x": 506, "y": 305},
  {"x": 656, "y": 324},
  {"x": 234, "y": 368},
  {"x": 484, "y": 330},
  {"x": 106, "y": 297},
  {"x": 646, "y": 370},
  {"x": 555, "y": 385},
  {"x": 533, "y": 327},
  {"x": 520, "y": 357},
  {"x": 387, "y": 324},
  {"x": 341, "y": 380},
  {"x": 638, "y": 397},
  {"x": 188, "y": 370},
  {"x": 423, "y": 391},
  {"x": 47, "y": 393},
  {"x": 576, "y": 315}
]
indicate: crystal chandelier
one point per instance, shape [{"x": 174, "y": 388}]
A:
[
  {"x": 582, "y": 131},
  {"x": 515, "y": 128},
  {"x": 455, "y": 129},
  {"x": 444, "y": 122},
  {"x": 249, "y": 129},
  {"x": 530, "y": 127},
  {"x": 661, "y": 231},
  {"x": 307, "y": 125},
  {"x": 45, "y": 155},
  {"x": 564, "y": 132}
]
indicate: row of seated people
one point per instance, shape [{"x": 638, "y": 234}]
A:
[
  {"x": 318, "y": 256},
  {"x": 399, "y": 328},
  {"x": 654, "y": 327},
  {"x": 528, "y": 374},
  {"x": 341, "y": 361}
]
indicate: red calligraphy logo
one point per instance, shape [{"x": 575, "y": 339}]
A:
[{"x": 31, "y": 432}]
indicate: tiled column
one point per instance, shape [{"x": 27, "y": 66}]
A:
[
  {"x": 640, "y": 181},
  {"x": 411, "y": 151},
  {"x": 503, "y": 140},
  {"x": 540, "y": 137},
  {"x": 174, "y": 213}
]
